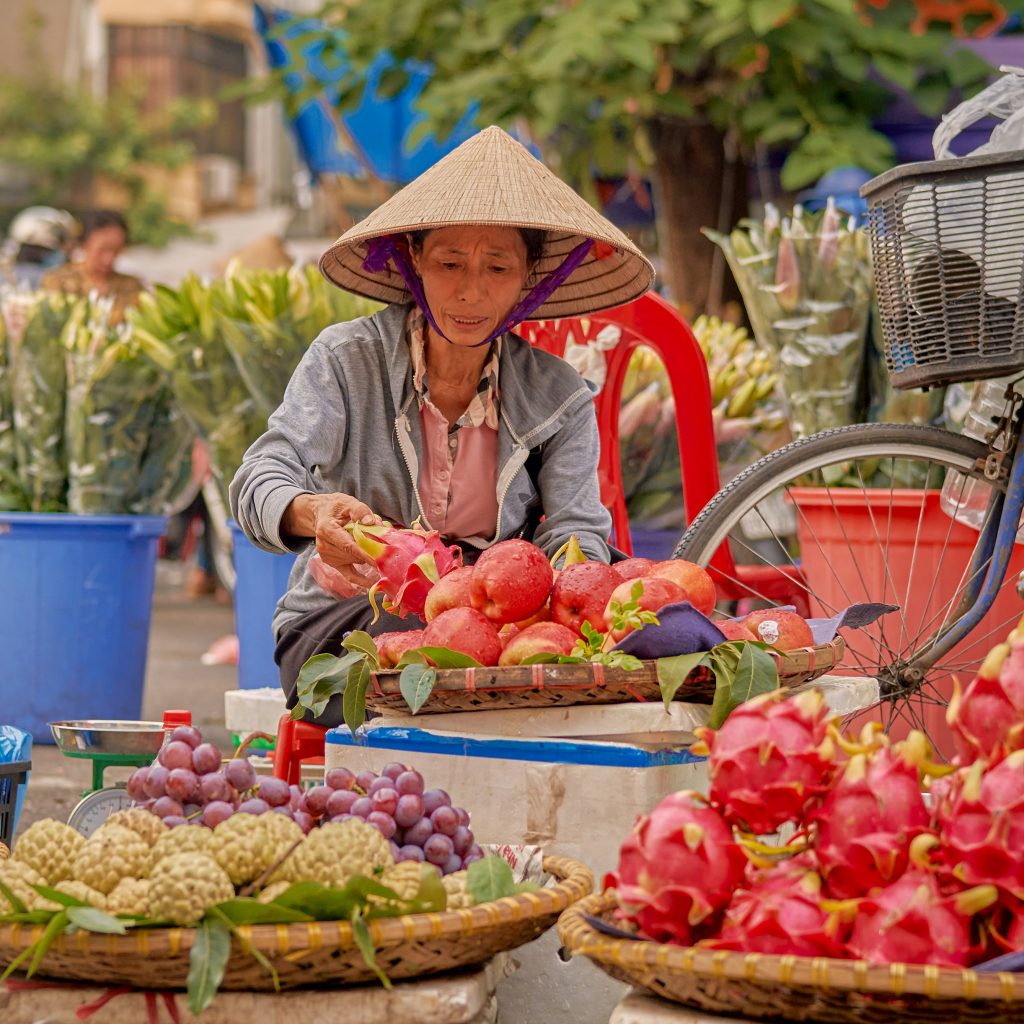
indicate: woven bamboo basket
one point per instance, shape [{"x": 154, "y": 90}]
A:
[
  {"x": 316, "y": 953},
  {"x": 792, "y": 988},
  {"x": 545, "y": 686}
]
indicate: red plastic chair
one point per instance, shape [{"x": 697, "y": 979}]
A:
[
  {"x": 297, "y": 742},
  {"x": 653, "y": 322}
]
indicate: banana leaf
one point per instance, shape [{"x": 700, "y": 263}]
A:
[{"x": 165, "y": 470}]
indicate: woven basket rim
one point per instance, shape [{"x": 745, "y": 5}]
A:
[
  {"x": 816, "y": 973},
  {"x": 792, "y": 664},
  {"x": 575, "y": 881}
]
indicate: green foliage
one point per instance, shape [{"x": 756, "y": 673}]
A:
[
  {"x": 589, "y": 76},
  {"x": 66, "y": 137}
]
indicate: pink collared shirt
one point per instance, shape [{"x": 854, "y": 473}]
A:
[
  {"x": 459, "y": 468},
  {"x": 458, "y": 476}
]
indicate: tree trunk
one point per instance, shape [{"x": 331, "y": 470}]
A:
[{"x": 696, "y": 186}]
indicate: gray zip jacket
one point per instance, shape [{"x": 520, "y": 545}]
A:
[{"x": 349, "y": 423}]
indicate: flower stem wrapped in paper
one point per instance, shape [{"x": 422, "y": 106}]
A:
[
  {"x": 38, "y": 385},
  {"x": 806, "y": 284}
]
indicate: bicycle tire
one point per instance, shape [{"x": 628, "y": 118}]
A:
[
  {"x": 699, "y": 542},
  {"x": 882, "y": 656}
]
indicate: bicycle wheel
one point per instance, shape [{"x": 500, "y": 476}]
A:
[{"x": 860, "y": 514}]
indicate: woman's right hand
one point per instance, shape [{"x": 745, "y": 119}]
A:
[{"x": 324, "y": 517}]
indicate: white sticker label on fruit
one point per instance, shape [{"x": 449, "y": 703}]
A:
[
  {"x": 768, "y": 631},
  {"x": 527, "y": 862}
]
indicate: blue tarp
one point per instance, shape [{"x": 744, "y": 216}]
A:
[{"x": 380, "y": 128}]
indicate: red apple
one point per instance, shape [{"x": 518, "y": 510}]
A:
[
  {"x": 631, "y": 568},
  {"x": 733, "y": 630},
  {"x": 694, "y": 581},
  {"x": 540, "y": 638},
  {"x": 657, "y": 592},
  {"x": 782, "y": 629},
  {"x": 450, "y": 591},
  {"x": 509, "y": 630},
  {"x": 465, "y": 630},
  {"x": 581, "y": 594},
  {"x": 391, "y": 646},
  {"x": 511, "y": 581}
]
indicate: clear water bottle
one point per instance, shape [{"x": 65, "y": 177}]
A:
[{"x": 965, "y": 498}]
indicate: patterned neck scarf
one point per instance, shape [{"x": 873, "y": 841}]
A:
[{"x": 483, "y": 409}]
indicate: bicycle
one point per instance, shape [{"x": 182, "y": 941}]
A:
[{"x": 886, "y": 501}]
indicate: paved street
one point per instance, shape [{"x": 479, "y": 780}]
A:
[{"x": 181, "y": 632}]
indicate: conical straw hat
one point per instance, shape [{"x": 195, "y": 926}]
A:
[{"x": 492, "y": 179}]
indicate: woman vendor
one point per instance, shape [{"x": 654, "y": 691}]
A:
[{"x": 431, "y": 409}]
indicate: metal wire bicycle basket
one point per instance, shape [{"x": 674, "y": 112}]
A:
[{"x": 947, "y": 246}]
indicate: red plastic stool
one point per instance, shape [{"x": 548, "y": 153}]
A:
[{"x": 297, "y": 742}]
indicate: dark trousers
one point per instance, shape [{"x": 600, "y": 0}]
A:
[{"x": 321, "y": 632}]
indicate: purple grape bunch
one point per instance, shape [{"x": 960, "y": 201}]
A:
[
  {"x": 191, "y": 784},
  {"x": 421, "y": 823}
]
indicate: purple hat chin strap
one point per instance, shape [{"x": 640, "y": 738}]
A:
[{"x": 390, "y": 249}]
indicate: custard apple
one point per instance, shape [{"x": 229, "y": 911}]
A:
[
  {"x": 181, "y": 839},
  {"x": 283, "y": 835},
  {"x": 146, "y": 824},
  {"x": 113, "y": 853},
  {"x": 403, "y": 878},
  {"x": 272, "y": 891},
  {"x": 82, "y": 892},
  {"x": 185, "y": 886},
  {"x": 20, "y": 878},
  {"x": 457, "y": 891},
  {"x": 243, "y": 847},
  {"x": 50, "y": 847},
  {"x": 333, "y": 853},
  {"x": 5, "y": 851},
  {"x": 129, "y": 896}
]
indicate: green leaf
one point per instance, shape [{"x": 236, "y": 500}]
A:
[
  {"x": 252, "y": 911},
  {"x": 56, "y": 896},
  {"x": 417, "y": 683},
  {"x": 490, "y": 879},
  {"x": 361, "y": 887},
  {"x": 756, "y": 673},
  {"x": 320, "y": 902},
  {"x": 432, "y": 896},
  {"x": 29, "y": 917},
  {"x": 443, "y": 657},
  {"x": 362, "y": 936},
  {"x": 92, "y": 919},
  {"x": 360, "y": 642},
  {"x": 673, "y": 672},
  {"x": 19, "y": 907},
  {"x": 354, "y": 701},
  {"x": 322, "y": 677},
  {"x": 218, "y": 914},
  {"x": 58, "y": 924},
  {"x": 767, "y": 14},
  {"x": 207, "y": 961},
  {"x": 721, "y": 704}
]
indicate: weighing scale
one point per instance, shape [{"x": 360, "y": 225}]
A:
[{"x": 107, "y": 744}]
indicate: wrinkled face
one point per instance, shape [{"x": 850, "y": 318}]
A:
[
  {"x": 101, "y": 249},
  {"x": 472, "y": 277}
]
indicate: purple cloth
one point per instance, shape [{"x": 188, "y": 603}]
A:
[
  {"x": 391, "y": 249},
  {"x": 682, "y": 629}
]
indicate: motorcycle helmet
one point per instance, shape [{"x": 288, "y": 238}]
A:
[{"x": 43, "y": 227}]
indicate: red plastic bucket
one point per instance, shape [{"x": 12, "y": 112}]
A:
[{"x": 843, "y": 534}]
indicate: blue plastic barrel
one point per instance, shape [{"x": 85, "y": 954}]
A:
[
  {"x": 262, "y": 578},
  {"x": 76, "y": 597}
]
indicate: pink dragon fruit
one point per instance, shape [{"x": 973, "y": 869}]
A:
[
  {"x": 981, "y": 824},
  {"x": 410, "y": 562},
  {"x": 985, "y": 720},
  {"x": 912, "y": 922},
  {"x": 677, "y": 869},
  {"x": 772, "y": 760},
  {"x": 868, "y": 819},
  {"x": 780, "y": 912}
]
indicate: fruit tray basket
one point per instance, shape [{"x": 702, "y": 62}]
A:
[
  {"x": 550, "y": 685},
  {"x": 757, "y": 986},
  {"x": 316, "y": 953}
]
